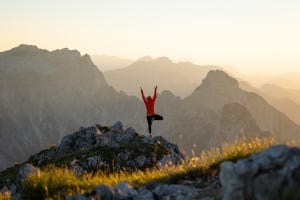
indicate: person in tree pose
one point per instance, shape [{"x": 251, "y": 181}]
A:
[{"x": 149, "y": 103}]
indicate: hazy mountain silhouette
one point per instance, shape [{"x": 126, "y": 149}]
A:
[
  {"x": 45, "y": 94},
  {"x": 218, "y": 110},
  {"x": 282, "y": 99},
  {"x": 106, "y": 62},
  {"x": 181, "y": 78},
  {"x": 279, "y": 92},
  {"x": 256, "y": 80},
  {"x": 287, "y": 80}
]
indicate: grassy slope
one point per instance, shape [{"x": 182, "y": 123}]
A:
[{"x": 58, "y": 183}]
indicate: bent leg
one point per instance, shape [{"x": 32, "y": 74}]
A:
[{"x": 157, "y": 117}]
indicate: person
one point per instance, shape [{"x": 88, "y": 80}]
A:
[{"x": 150, "y": 103}]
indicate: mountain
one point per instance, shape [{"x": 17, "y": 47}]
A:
[
  {"x": 218, "y": 111},
  {"x": 288, "y": 80},
  {"x": 257, "y": 80},
  {"x": 180, "y": 78},
  {"x": 185, "y": 77},
  {"x": 45, "y": 94},
  {"x": 106, "y": 62},
  {"x": 279, "y": 92},
  {"x": 282, "y": 99}
]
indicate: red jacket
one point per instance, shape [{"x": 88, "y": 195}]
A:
[{"x": 149, "y": 103}]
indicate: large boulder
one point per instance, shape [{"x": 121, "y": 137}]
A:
[{"x": 271, "y": 174}]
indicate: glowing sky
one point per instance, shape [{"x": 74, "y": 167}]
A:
[{"x": 257, "y": 36}]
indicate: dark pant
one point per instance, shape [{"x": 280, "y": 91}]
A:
[{"x": 150, "y": 120}]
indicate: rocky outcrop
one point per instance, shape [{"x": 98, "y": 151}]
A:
[
  {"x": 271, "y": 174},
  {"x": 98, "y": 147},
  {"x": 156, "y": 191},
  {"x": 108, "y": 148}
]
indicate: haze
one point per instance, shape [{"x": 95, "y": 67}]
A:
[{"x": 258, "y": 36}]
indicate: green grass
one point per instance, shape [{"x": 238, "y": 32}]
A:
[{"x": 57, "y": 183}]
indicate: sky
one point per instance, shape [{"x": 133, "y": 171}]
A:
[{"x": 255, "y": 36}]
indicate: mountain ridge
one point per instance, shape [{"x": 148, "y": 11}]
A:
[
  {"x": 162, "y": 71},
  {"x": 37, "y": 109}
]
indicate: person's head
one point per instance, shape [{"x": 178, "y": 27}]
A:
[{"x": 149, "y": 98}]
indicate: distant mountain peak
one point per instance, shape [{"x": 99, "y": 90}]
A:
[
  {"x": 27, "y": 46},
  {"x": 25, "y": 49},
  {"x": 145, "y": 59},
  {"x": 219, "y": 79},
  {"x": 163, "y": 59},
  {"x": 68, "y": 52}
]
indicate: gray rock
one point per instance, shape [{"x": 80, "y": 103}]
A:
[
  {"x": 123, "y": 191},
  {"x": 78, "y": 169},
  {"x": 177, "y": 192},
  {"x": 271, "y": 174},
  {"x": 127, "y": 136},
  {"x": 25, "y": 171},
  {"x": 170, "y": 160},
  {"x": 140, "y": 160},
  {"x": 170, "y": 146},
  {"x": 88, "y": 164},
  {"x": 148, "y": 139},
  {"x": 111, "y": 143},
  {"x": 145, "y": 194},
  {"x": 117, "y": 127},
  {"x": 13, "y": 189},
  {"x": 102, "y": 192}
]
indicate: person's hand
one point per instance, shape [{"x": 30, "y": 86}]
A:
[
  {"x": 156, "y": 87},
  {"x": 141, "y": 88}
]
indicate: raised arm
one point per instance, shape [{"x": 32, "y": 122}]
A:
[
  {"x": 155, "y": 93},
  {"x": 143, "y": 96}
]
